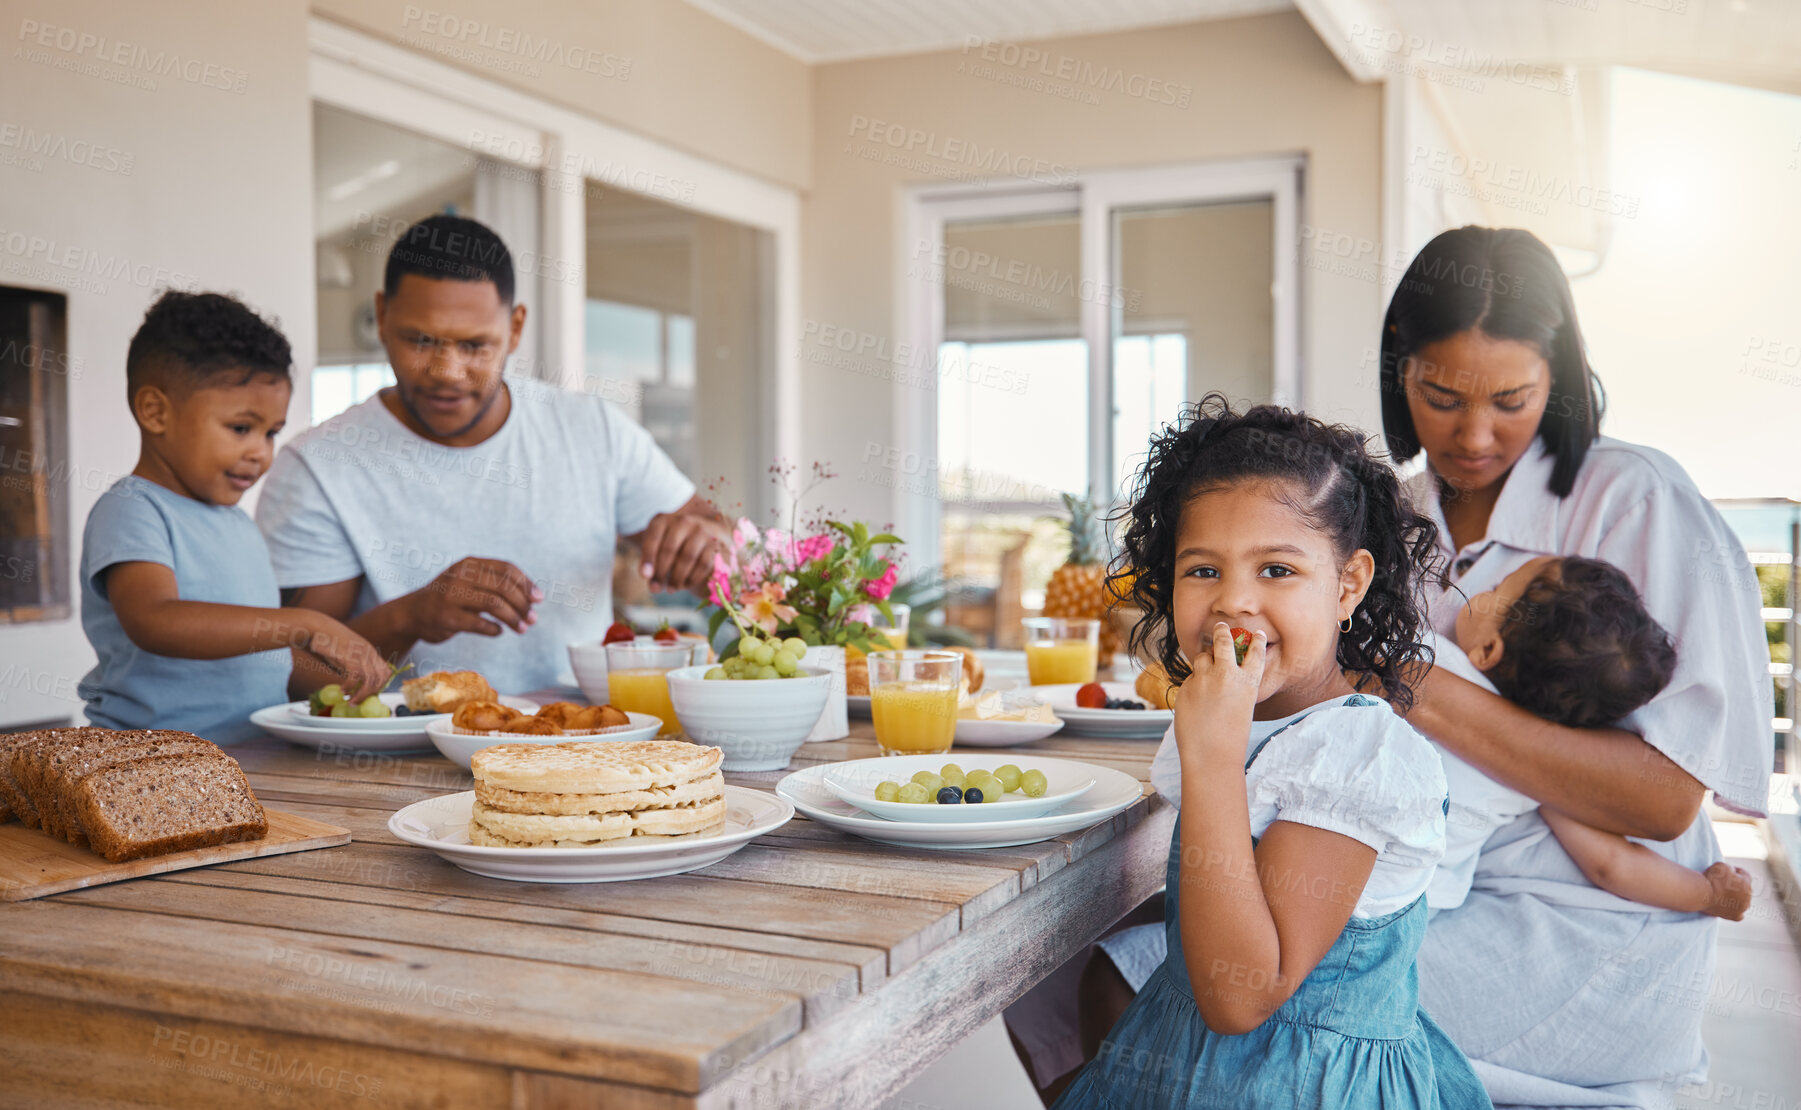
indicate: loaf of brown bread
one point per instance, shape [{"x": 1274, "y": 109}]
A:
[
  {"x": 168, "y": 803},
  {"x": 128, "y": 794}
]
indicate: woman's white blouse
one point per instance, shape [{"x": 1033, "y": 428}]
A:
[
  {"x": 1635, "y": 507},
  {"x": 1356, "y": 770}
]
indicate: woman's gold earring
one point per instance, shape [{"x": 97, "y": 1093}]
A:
[{"x": 1344, "y": 625}]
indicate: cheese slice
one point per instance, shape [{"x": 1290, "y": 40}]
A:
[{"x": 990, "y": 706}]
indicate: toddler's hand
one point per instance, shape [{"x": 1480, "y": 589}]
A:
[
  {"x": 1214, "y": 705},
  {"x": 1731, "y": 891},
  {"x": 363, "y": 669}
]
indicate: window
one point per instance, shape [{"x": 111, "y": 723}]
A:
[
  {"x": 650, "y": 354},
  {"x": 34, "y": 462},
  {"x": 1071, "y": 325},
  {"x": 336, "y": 388}
]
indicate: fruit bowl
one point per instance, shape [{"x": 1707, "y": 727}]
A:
[{"x": 759, "y": 724}]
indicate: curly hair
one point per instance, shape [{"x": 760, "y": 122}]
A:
[
  {"x": 1579, "y": 648},
  {"x": 189, "y": 339},
  {"x": 1332, "y": 480}
]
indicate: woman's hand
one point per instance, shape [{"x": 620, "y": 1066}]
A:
[{"x": 1214, "y": 705}]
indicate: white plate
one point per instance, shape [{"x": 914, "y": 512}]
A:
[
  {"x": 1113, "y": 792},
  {"x": 859, "y": 705},
  {"x": 1124, "y": 724},
  {"x": 459, "y": 746},
  {"x": 1002, "y": 734},
  {"x": 855, "y": 780},
  {"x": 278, "y": 721},
  {"x": 442, "y": 826}
]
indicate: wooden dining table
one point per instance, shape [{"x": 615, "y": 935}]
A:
[{"x": 811, "y": 968}]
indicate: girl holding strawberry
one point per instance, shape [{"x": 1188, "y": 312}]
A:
[{"x": 1311, "y": 815}]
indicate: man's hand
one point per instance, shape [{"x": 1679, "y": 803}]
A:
[
  {"x": 1731, "y": 887},
  {"x": 679, "y": 547},
  {"x": 456, "y": 600}
]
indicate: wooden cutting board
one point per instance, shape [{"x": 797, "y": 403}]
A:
[{"x": 34, "y": 863}]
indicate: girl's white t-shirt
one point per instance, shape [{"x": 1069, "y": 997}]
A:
[{"x": 1354, "y": 769}]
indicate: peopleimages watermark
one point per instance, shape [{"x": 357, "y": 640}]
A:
[
  {"x": 519, "y": 50},
  {"x": 1451, "y": 60},
  {"x": 379, "y": 232},
  {"x": 1510, "y": 185},
  {"x": 948, "y": 155},
  {"x": 1011, "y": 279},
  {"x": 80, "y": 267},
  {"x": 27, "y": 148},
  {"x": 1032, "y": 67},
  {"x": 86, "y": 53},
  {"x": 267, "y": 1071},
  {"x": 909, "y": 364}
]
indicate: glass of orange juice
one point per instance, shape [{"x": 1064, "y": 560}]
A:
[
  {"x": 1061, "y": 650},
  {"x": 637, "y": 679},
  {"x": 913, "y": 698},
  {"x": 895, "y": 632}
]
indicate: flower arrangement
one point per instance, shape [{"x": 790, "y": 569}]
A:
[{"x": 824, "y": 588}]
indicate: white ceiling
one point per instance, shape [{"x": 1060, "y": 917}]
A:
[
  {"x": 817, "y": 31},
  {"x": 363, "y": 166},
  {"x": 1752, "y": 42}
]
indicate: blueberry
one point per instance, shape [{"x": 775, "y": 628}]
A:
[
  {"x": 972, "y": 796},
  {"x": 950, "y": 796},
  {"x": 403, "y": 711},
  {"x": 1133, "y": 705}
]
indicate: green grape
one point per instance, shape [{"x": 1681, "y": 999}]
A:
[
  {"x": 372, "y": 706},
  {"x": 887, "y": 791},
  {"x": 795, "y": 646},
  {"x": 763, "y": 653},
  {"x": 1034, "y": 783},
  {"x": 717, "y": 672},
  {"x": 1008, "y": 773},
  {"x": 767, "y": 671},
  {"x": 342, "y": 709},
  {"x": 927, "y": 779},
  {"x": 952, "y": 775},
  {"x": 985, "y": 781},
  {"x": 914, "y": 794},
  {"x": 785, "y": 663},
  {"x": 331, "y": 695}
]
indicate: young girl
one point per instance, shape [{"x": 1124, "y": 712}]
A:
[{"x": 1311, "y": 814}]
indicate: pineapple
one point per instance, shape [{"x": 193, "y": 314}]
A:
[{"x": 1078, "y": 588}]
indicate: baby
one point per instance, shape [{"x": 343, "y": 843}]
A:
[{"x": 1567, "y": 638}]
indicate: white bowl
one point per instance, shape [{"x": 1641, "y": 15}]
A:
[
  {"x": 759, "y": 724},
  {"x": 589, "y": 662},
  {"x": 457, "y": 745}
]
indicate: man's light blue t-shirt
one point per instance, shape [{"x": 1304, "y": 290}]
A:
[
  {"x": 363, "y": 496},
  {"x": 218, "y": 556}
]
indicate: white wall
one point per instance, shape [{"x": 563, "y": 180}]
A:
[
  {"x": 1255, "y": 86},
  {"x": 218, "y": 196}
]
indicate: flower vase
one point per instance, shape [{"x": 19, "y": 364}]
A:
[{"x": 834, "y": 719}]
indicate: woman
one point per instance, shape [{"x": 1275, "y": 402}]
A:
[
  {"x": 1560, "y": 994},
  {"x": 1563, "y": 995}
]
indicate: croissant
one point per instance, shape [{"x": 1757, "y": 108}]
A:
[{"x": 563, "y": 713}]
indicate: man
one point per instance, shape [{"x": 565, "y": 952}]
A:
[{"x": 449, "y": 503}]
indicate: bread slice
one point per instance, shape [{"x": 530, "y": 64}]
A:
[
  {"x": 69, "y": 767},
  {"x": 168, "y": 803},
  {"x": 12, "y": 793},
  {"x": 446, "y": 691},
  {"x": 31, "y": 765},
  {"x": 595, "y": 766}
]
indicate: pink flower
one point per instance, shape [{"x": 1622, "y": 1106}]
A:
[
  {"x": 763, "y": 607},
  {"x": 745, "y": 533},
  {"x": 719, "y": 583},
  {"x": 813, "y": 547},
  {"x": 860, "y": 614},
  {"x": 880, "y": 588}
]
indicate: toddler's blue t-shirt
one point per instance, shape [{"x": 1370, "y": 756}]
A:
[{"x": 218, "y": 556}]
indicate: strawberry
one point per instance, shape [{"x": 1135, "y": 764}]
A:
[
  {"x": 667, "y": 635},
  {"x": 1241, "y": 643},
  {"x": 1092, "y": 696},
  {"x": 618, "y": 632}
]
